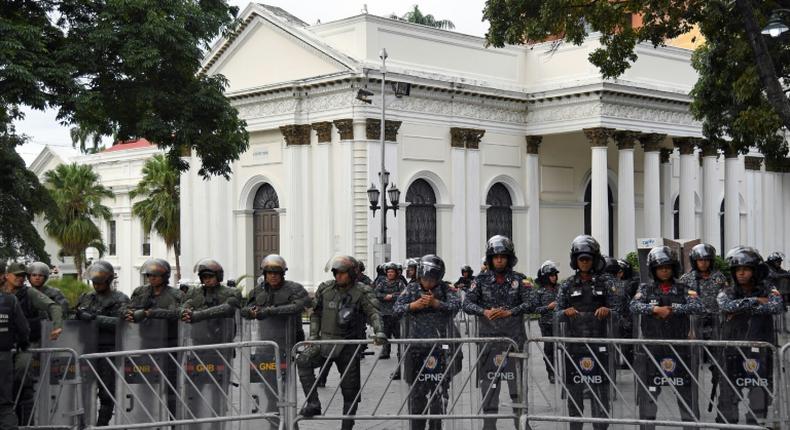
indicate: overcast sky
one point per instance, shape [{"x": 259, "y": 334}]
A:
[{"x": 43, "y": 129}]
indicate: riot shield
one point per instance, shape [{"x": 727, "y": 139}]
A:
[
  {"x": 204, "y": 378},
  {"x": 56, "y": 403},
  {"x": 260, "y": 366},
  {"x": 142, "y": 392}
]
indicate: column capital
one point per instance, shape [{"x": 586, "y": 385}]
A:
[
  {"x": 626, "y": 139},
  {"x": 730, "y": 151},
  {"x": 665, "y": 154},
  {"x": 468, "y": 138},
  {"x": 324, "y": 131},
  {"x": 708, "y": 148},
  {"x": 651, "y": 142},
  {"x": 753, "y": 163},
  {"x": 598, "y": 136},
  {"x": 296, "y": 134},
  {"x": 685, "y": 145},
  {"x": 373, "y": 129},
  {"x": 345, "y": 127},
  {"x": 533, "y": 144}
]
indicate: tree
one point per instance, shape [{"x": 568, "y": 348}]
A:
[
  {"x": 78, "y": 196},
  {"x": 416, "y": 16},
  {"x": 80, "y": 138},
  {"x": 739, "y": 94},
  {"x": 160, "y": 208}
]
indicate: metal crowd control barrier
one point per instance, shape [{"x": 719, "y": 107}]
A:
[
  {"x": 204, "y": 371},
  {"x": 741, "y": 370},
  {"x": 785, "y": 377},
  {"x": 448, "y": 394}
]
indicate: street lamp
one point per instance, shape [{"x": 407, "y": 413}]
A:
[{"x": 775, "y": 26}]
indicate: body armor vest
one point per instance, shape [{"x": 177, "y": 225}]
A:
[
  {"x": 31, "y": 314},
  {"x": 587, "y": 297},
  {"x": 674, "y": 327}
]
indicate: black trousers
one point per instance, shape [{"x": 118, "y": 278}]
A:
[
  {"x": 392, "y": 331},
  {"x": 8, "y": 419},
  {"x": 546, "y": 330},
  {"x": 348, "y": 357}
]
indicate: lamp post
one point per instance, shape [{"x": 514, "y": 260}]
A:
[
  {"x": 378, "y": 199},
  {"x": 776, "y": 26}
]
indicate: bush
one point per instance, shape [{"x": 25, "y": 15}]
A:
[
  {"x": 722, "y": 266},
  {"x": 71, "y": 288},
  {"x": 633, "y": 259}
]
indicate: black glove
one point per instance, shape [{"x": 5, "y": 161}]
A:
[
  {"x": 246, "y": 312},
  {"x": 22, "y": 346},
  {"x": 85, "y": 315}
]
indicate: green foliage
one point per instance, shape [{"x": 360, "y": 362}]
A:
[
  {"x": 738, "y": 96},
  {"x": 721, "y": 265},
  {"x": 633, "y": 259},
  {"x": 80, "y": 138},
  {"x": 417, "y": 17},
  {"x": 78, "y": 196},
  {"x": 72, "y": 288}
]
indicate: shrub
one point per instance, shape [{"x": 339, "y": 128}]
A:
[{"x": 71, "y": 288}]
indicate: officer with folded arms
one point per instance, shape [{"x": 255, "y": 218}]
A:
[{"x": 14, "y": 332}]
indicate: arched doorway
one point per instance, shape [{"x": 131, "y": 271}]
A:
[
  {"x": 420, "y": 219},
  {"x": 588, "y": 214},
  {"x": 499, "y": 215},
  {"x": 266, "y": 224}
]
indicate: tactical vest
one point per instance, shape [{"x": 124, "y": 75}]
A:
[
  {"x": 6, "y": 317},
  {"x": 332, "y": 301},
  {"x": 31, "y": 314},
  {"x": 586, "y": 298},
  {"x": 747, "y": 326},
  {"x": 675, "y": 326},
  {"x": 430, "y": 323}
]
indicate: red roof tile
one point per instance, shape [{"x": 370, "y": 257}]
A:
[{"x": 129, "y": 144}]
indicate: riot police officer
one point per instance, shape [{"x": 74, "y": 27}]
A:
[
  {"x": 467, "y": 275},
  {"x": 387, "y": 293},
  {"x": 708, "y": 282},
  {"x": 500, "y": 300},
  {"x": 619, "y": 299},
  {"x": 780, "y": 278},
  {"x": 339, "y": 307},
  {"x": 411, "y": 270},
  {"x": 38, "y": 275},
  {"x": 211, "y": 299},
  {"x": 428, "y": 307},
  {"x": 546, "y": 302},
  {"x": 35, "y": 306},
  {"x": 14, "y": 332},
  {"x": 104, "y": 305},
  {"x": 276, "y": 296},
  {"x": 363, "y": 278},
  {"x": 156, "y": 299},
  {"x": 748, "y": 307},
  {"x": 584, "y": 304},
  {"x": 664, "y": 306}
]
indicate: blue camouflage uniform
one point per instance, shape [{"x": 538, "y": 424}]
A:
[{"x": 544, "y": 296}]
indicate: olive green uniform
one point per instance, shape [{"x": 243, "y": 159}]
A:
[{"x": 214, "y": 302}]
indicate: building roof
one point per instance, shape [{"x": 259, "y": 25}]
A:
[{"x": 129, "y": 144}]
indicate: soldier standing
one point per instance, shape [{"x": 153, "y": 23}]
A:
[
  {"x": 748, "y": 307},
  {"x": 387, "y": 293},
  {"x": 467, "y": 276},
  {"x": 411, "y": 270},
  {"x": 584, "y": 304},
  {"x": 363, "y": 278},
  {"x": 339, "y": 308},
  {"x": 211, "y": 299},
  {"x": 14, "y": 332},
  {"x": 708, "y": 282},
  {"x": 546, "y": 302},
  {"x": 664, "y": 306},
  {"x": 157, "y": 299},
  {"x": 38, "y": 275},
  {"x": 500, "y": 300},
  {"x": 104, "y": 305},
  {"x": 429, "y": 307},
  {"x": 780, "y": 278}
]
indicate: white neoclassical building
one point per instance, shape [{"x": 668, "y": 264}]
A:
[{"x": 525, "y": 141}]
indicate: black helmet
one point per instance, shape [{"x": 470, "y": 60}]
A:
[
  {"x": 361, "y": 266},
  {"x": 611, "y": 267},
  {"x": 101, "y": 272},
  {"x": 775, "y": 258},
  {"x": 398, "y": 267},
  {"x": 547, "y": 269},
  {"x": 431, "y": 267},
  {"x": 467, "y": 269},
  {"x": 345, "y": 264},
  {"x": 662, "y": 256},
  {"x": 389, "y": 266},
  {"x": 156, "y": 267},
  {"x": 38, "y": 268},
  {"x": 501, "y": 245},
  {"x": 411, "y": 262},
  {"x": 625, "y": 266},
  {"x": 210, "y": 267},
  {"x": 274, "y": 263},
  {"x": 746, "y": 256},
  {"x": 586, "y": 244},
  {"x": 702, "y": 251}
]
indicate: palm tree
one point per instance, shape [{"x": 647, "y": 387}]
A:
[
  {"x": 416, "y": 16},
  {"x": 78, "y": 199},
  {"x": 81, "y": 137},
  {"x": 160, "y": 210}
]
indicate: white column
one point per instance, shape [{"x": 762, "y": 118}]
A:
[
  {"x": 459, "y": 195},
  {"x": 244, "y": 246},
  {"x": 688, "y": 169},
  {"x": 753, "y": 202},
  {"x": 786, "y": 209},
  {"x": 732, "y": 225},
  {"x": 599, "y": 139},
  {"x": 780, "y": 217},
  {"x": 475, "y": 236},
  {"x": 533, "y": 203},
  {"x": 652, "y": 184},
  {"x": 323, "y": 226},
  {"x": 710, "y": 196},
  {"x": 626, "y": 208},
  {"x": 769, "y": 207}
]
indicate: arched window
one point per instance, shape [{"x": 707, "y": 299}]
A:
[
  {"x": 266, "y": 223},
  {"x": 499, "y": 215},
  {"x": 588, "y": 214},
  {"x": 420, "y": 219}
]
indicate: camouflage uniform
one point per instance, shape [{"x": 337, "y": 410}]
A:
[
  {"x": 208, "y": 303},
  {"x": 708, "y": 290},
  {"x": 289, "y": 299},
  {"x": 145, "y": 303},
  {"x": 544, "y": 296},
  {"x": 388, "y": 315},
  {"x": 56, "y": 296}
]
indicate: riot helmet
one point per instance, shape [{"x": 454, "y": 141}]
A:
[
  {"x": 746, "y": 256},
  {"x": 547, "y": 269},
  {"x": 101, "y": 272},
  {"x": 156, "y": 267},
  {"x": 586, "y": 244},
  {"x": 775, "y": 259},
  {"x": 611, "y": 266},
  {"x": 345, "y": 264},
  {"x": 361, "y": 266},
  {"x": 702, "y": 251},
  {"x": 500, "y": 245},
  {"x": 412, "y": 263},
  {"x": 38, "y": 268},
  {"x": 274, "y": 263},
  {"x": 662, "y": 256},
  {"x": 467, "y": 269},
  {"x": 625, "y": 266},
  {"x": 208, "y": 266},
  {"x": 431, "y": 267}
]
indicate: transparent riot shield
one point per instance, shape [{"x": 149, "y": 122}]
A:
[
  {"x": 667, "y": 376},
  {"x": 56, "y": 403},
  {"x": 204, "y": 379},
  {"x": 142, "y": 391},
  {"x": 260, "y": 366}
]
